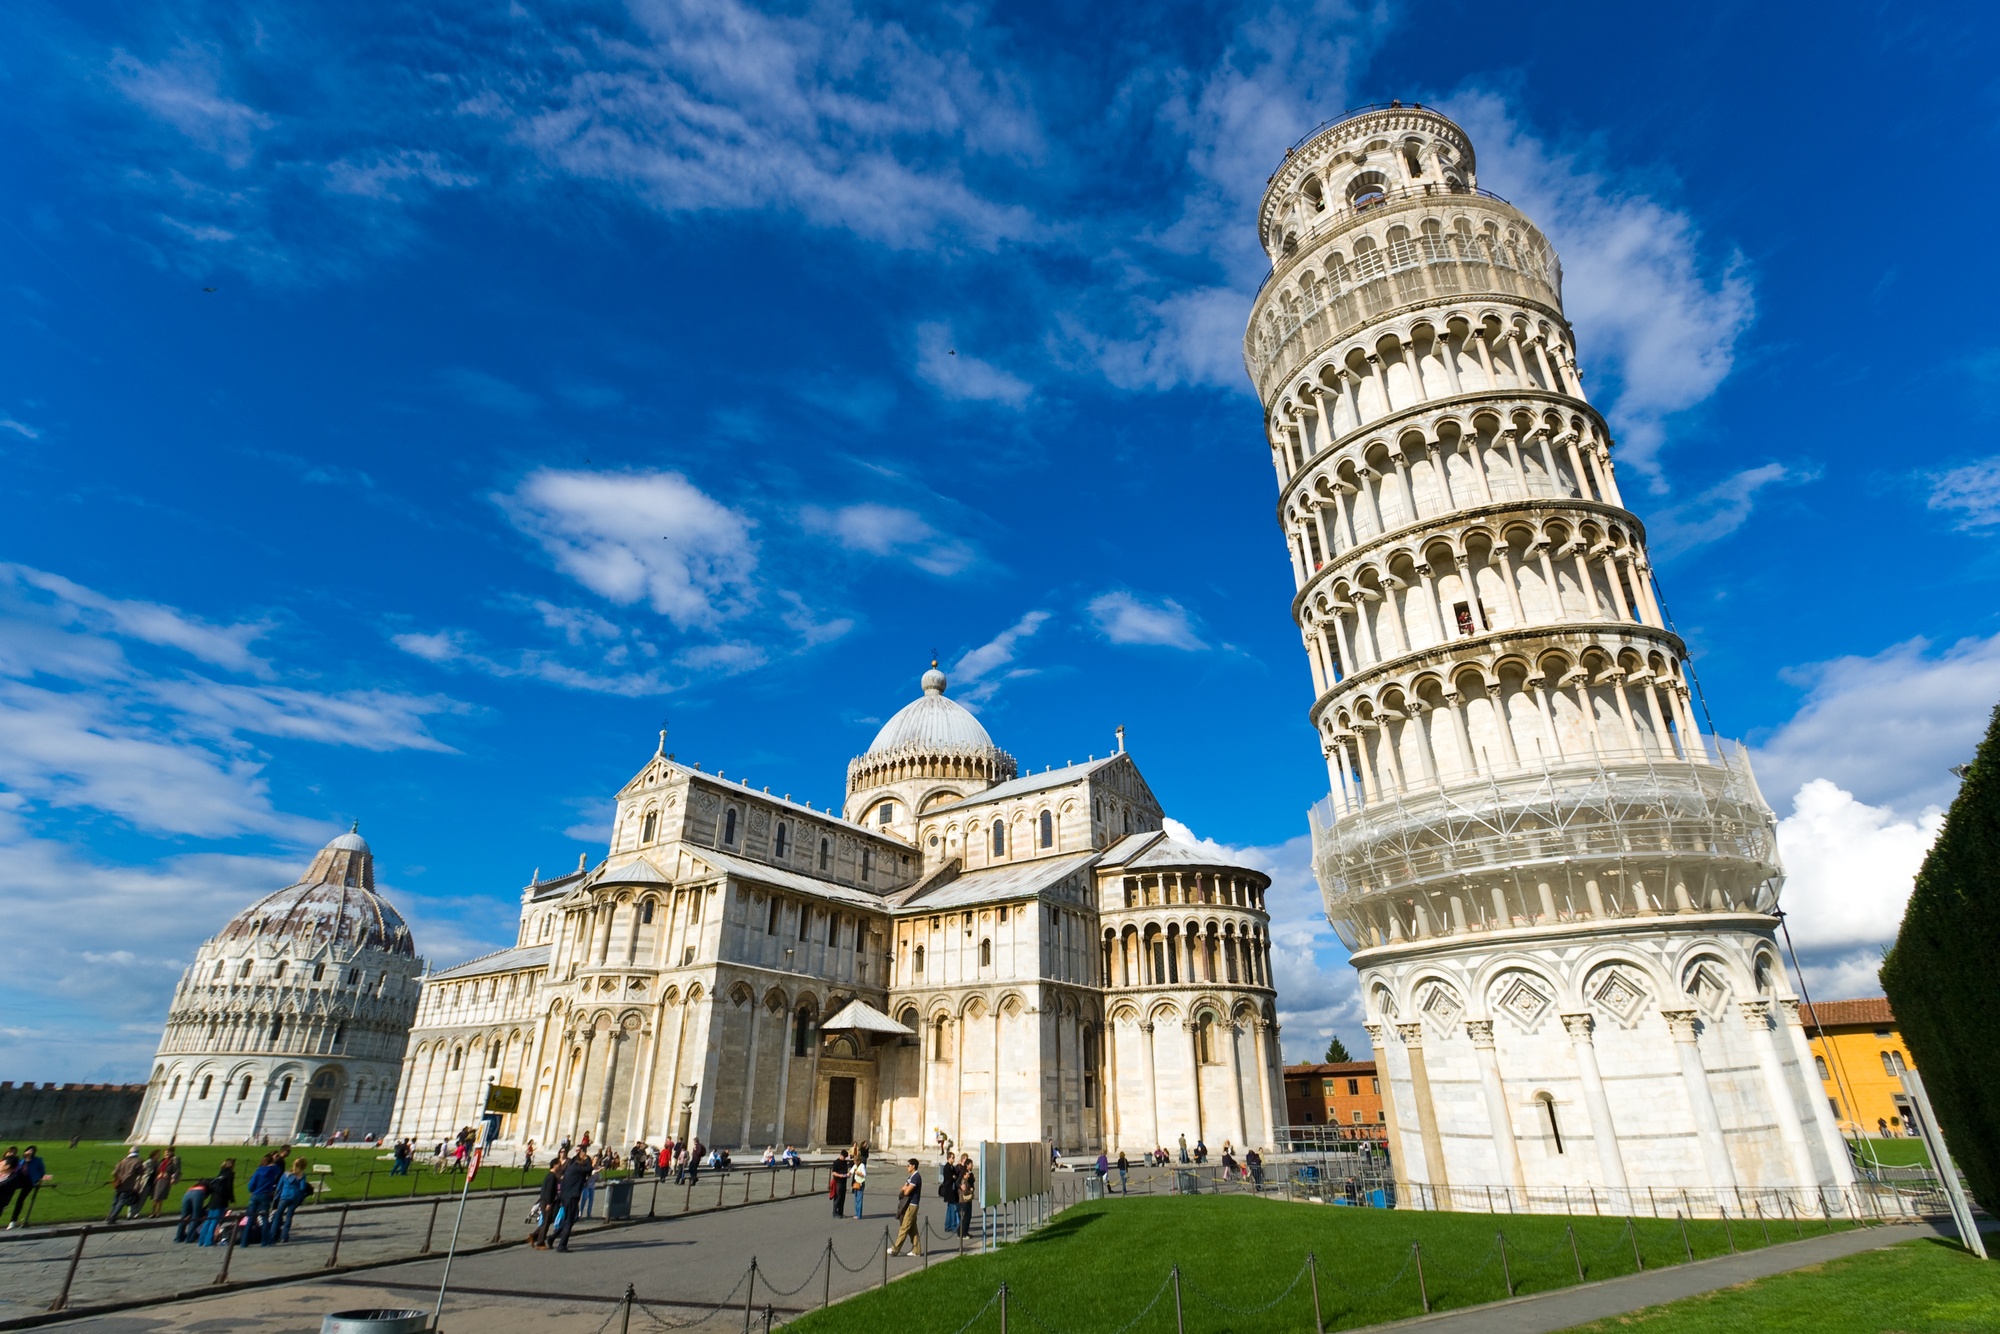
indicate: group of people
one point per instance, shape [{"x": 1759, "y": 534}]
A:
[
  {"x": 21, "y": 1172},
  {"x": 272, "y": 1195},
  {"x": 568, "y": 1192}
]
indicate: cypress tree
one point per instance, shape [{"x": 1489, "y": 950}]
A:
[
  {"x": 1942, "y": 976},
  {"x": 1336, "y": 1053}
]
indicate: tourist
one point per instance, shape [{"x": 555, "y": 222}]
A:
[
  {"x": 1228, "y": 1163},
  {"x": 791, "y": 1157},
  {"x": 1253, "y": 1164},
  {"x": 545, "y": 1206},
  {"x": 771, "y": 1156},
  {"x": 1102, "y": 1167},
  {"x": 575, "y": 1177},
  {"x": 836, "y": 1183},
  {"x": 1184, "y": 1152},
  {"x": 857, "y": 1181},
  {"x": 147, "y": 1176},
  {"x": 193, "y": 1206},
  {"x": 127, "y": 1187},
  {"x": 968, "y": 1194},
  {"x": 861, "y": 1153},
  {"x": 262, "y": 1189},
  {"x": 694, "y": 1161},
  {"x": 1124, "y": 1166},
  {"x": 24, "y": 1178},
  {"x": 948, "y": 1192},
  {"x": 399, "y": 1165},
  {"x": 663, "y": 1160},
  {"x": 590, "y": 1184},
  {"x": 907, "y": 1199},
  {"x": 1200, "y": 1150},
  {"x": 164, "y": 1178},
  {"x": 292, "y": 1192}
]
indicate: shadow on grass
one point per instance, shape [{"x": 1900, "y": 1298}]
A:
[{"x": 1065, "y": 1227}]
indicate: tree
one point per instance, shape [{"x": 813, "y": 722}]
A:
[
  {"x": 1336, "y": 1052},
  {"x": 1940, "y": 976}
]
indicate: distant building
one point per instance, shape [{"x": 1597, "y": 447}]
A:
[
  {"x": 1347, "y": 1094},
  {"x": 1860, "y": 1058},
  {"x": 962, "y": 949},
  {"x": 291, "y": 1021}
]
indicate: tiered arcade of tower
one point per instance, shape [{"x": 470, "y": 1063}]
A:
[{"x": 1557, "y": 890}]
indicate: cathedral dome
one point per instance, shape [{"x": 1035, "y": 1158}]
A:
[
  {"x": 932, "y": 722},
  {"x": 334, "y": 904}
]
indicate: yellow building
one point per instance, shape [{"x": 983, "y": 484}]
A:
[{"x": 1861, "y": 1059}]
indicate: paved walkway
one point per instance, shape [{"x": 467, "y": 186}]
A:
[
  {"x": 689, "y": 1271},
  {"x": 1546, "y": 1313}
]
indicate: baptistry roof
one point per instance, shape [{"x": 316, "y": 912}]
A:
[
  {"x": 335, "y": 904},
  {"x": 932, "y": 723}
]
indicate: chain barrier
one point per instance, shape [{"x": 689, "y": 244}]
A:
[
  {"x": 669, "y": 1322},
  {"x": 866, "y": 1263},
  {"x": 1014, "y": 1304},
  {"x": 1227, "y": 1309},
  {"x": 773, "y": 1290},
  {"x": 1358, "y": 1295},
  {"x": 980, "y": 1314}
]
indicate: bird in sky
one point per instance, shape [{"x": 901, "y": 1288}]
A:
[{"x": 208, "y": 289}]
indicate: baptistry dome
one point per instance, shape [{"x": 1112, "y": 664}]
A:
[{"x": 334, "y": 903}]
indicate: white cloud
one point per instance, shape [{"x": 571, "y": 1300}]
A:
[
  {"x": 650, "y": 536},
  {"x": 1889, "y": 727},
  {"x": 1193, "y": 337},
  {"x": 19, "y": 428},
  {"x": 980, "y": 672},
  {"x": 1721, "y": 509},
  {"x": 1125, "y": 619},
  {"x": 389, "y": 174},
  {"x": 1849, "y": 867},
  {"x": 459, "y": 649},
  {"x": 957, "y": 374},
  {"x": 1971, "y": 493},
  {"x": 889, "y": 530},
  {"x": 222, "y": 645},
  {"x": 1645, "y": 302},
  {"x": 185, "y": 91},
  {"x": 377, "y": 720}
]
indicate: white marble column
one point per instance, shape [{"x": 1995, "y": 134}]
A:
[
  {"x": 1152, "y": 1082},
  {"x": 1611, "y": 1161},
  {"x": 1498, "y": 1116},
  {"x": 1426, "y": 1108},
  {"x": 1778, "y": 1093},
  {"x": 1701, "y": 1100}
]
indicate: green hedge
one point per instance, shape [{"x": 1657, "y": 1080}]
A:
[{"x": 1943, "y": 974}]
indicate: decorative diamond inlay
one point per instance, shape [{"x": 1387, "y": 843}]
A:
[
  {"x": 1619, "y": 994},
  {"x": 1440, "y": 1005},
  {"x": 1523, "y": 1002},
  {"x": 1708, "y": 990}
]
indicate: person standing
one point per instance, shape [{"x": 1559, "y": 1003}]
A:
[
  {"x": 968, "y": 1195},
  {"x": 263, "y": 1193},
  {"x": 948, "y": 1191},
  {"x": 292, "y": 1192},
  {"x": 590, "y": 1185},
  {"x": 575, "y": 1176},
  {"x": 1184, "y": 1152},
  {"x": 26, "y": 1179},
  {"x": 836, "y": 1183},
  {"x": 1124, "y": 1166},
  {"x": 907, "y": 1199},
  {"x": 1102, "y": 1167},
  {"x": 126, "y": 1189},
  {"x": 857, "y": 1182},
  {"x": 546, "y": 1205},
  {"x": 1253, "y": 1162},
  {"x": 165, "y": 1177}
]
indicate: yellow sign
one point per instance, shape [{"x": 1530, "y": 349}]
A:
[{"x": 500, "y": 1098}]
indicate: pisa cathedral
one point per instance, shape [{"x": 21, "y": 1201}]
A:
[
  {"x": 1558, "y": 892},
  {"x": 961, "y": 948}
]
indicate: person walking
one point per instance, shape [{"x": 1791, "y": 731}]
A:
[
  {"x": 1102, "y": 1167},
  {"x": 1124, "y": 1166},
  {"x": 293, "y": 1190},
  {"x": 575, "y": 1176},
  {"x": 263, "y": 1192},
  {"x": 125, "y": 1185},
  {"x": 546, "y": 1205},
  {"x": 1200, "y": 1150},
  {"x": 948, "y": 1191},
  {"x": 907, "y": 1199},
  {"x": 857, "y": 1182},
  {"x": 968, "y": 1195},
  {"x": 165, "y": 1176},
  {"x": 1253, "y": 1163},
  {"x": 836, "y": 1183}
]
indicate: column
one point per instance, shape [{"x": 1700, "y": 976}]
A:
[
  {"x": 756, "y": 1008},
  {"x": 1479, "y": 625},
  {"x": 1362, "y": 630},
  {"x": 1609, "y": 1159},
  {"x": 1829, "y": 1129},
  {"x": 1500, "y": 557},
  {"x": 1495, "y": 694},
  {"x": 1520, "y": 361},
  {"x": 1784, "y": 1107},
  {"x": 1152, "y": 1083},
  {"x": 1425, "y": 754},
  {"x": 1346, "y": 380},
  {"x": 1394, "y": 585},
  {"x": 1194, "y": 1053},
  {"x": 1344, "y": 521},
  {"x": 614, "y": 1041},
  {"x": 1701, "y": 1099},
  {"x": 1470, "y": 444},
  {"x": 1540, "y": 685},
  {"x": 1542, "y": 358},
  {"x": 1398, "y": 1159},
  {"x": 1431, "y": 601},
  {"x": 1615, "y": 678},
  {"x": 1665, "y": 744},
  {"x": 1379, "y": 373},
  {"x": 1588, "y": 708},
  {"x": 1265, "y": 1042},
  {"x": 1505, "y": 1147},
  {"x": 637, "y": 1119},
  {"x": 1391, "y": 759},
  {"x": 1416, "y": 368},
  {"x": 1617, "y": 588},
  {"x": 1583, "y": 487},
  {"x": 1642, "y": 586},
  {"x": 1605, "y": 478},
  {"x": 1325, "y": 411},
  {"x": 1556, "y": 611},
  {"x": 582, "y": 1066},
  {"x": 1402, "y": 462},
  {"x": 1319, "y": 524},
  {"x": 1461, "y": 731},
  {"x": 1437, "y": 456},
  {"x": 1347, "y": 656},
  {"x": 1236, "y": 1083},
  {"x": 1111, "y": 1114},
  {"x": 1444, "y": 352},
  {"x": 1372, "y": 791},
  {"x": 1374, "y": 490},
  {"x": 1420, "y": 1087},
  {"x": 1513, "y": 439},
  {"x": 1485, "y": 356}
]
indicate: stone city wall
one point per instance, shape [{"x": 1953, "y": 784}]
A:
[{"x": 54, "y": 1113}]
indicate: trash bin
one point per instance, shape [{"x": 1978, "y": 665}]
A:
[
  {"x": 618, "y": 1198},
  {"x": 1187, "y": 1183},
  {"x": 376, "y": 1322},
  {"x": 1093, "y": 1187}
]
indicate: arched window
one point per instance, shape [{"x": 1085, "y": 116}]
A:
[
  {"x": 285, "y": 1089},
  {"x": 319, "y": 972},
  {"x": 207, "y": 1082},
  {"x": 986, "y": 954},
  {"x": 277, "y": 1027},
  {"x": 940, "y": 1039},
  {"x": 999, "y": 839},
  {"x": 647, "y": 826},
  {"x": 802, "y": 1032},
  {"x": 353, "y": 976},
  {"x": 729, "y": 826},
  {"x": 771, "y": 922},
  {"x": 493, "y": 1054},
  {"x": 1048, "y": 829},
  {"x": 1549, "y": 1111},
  {"x": 917, "y": 962},
  {"x": 279, "y": 971},
  {"x": 218, "y": 970},
  {"x": 243, "y": 1092},
  {"x": 779, "y": 847},
  {"x": 175, "y": 1091},
  {"x": 1892, "y": 1063},
  {"x": 825, "y": 854},
  {"x": 867, "y": 862},
  {"x": 247, "y": 965},
  {"x": 339, "y": 1035},
  {"x": 645, "y": 913},
  {"x": 457, "y": 1057},
  {"x": 1204, "y": 1038}
]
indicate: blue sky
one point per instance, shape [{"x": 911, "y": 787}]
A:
[{"x": 574, "y": 370}]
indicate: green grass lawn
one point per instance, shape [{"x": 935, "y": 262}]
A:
[
  {"x": 1098, "y": 1265},
  {"x": 78, "y": 1187},
  {"x": 1894, "y": 1152},
  {"x": 1919, "y": 1287}
]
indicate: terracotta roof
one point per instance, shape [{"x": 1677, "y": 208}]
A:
[
  {"x": 1333, "y": 1068},
  {"x": 1872, "y": 1011}
]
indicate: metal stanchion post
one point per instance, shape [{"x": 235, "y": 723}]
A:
[
  {"x": 746, "y": 1188},
  {"x": 340, "y": 1230},
  {"x": 1312, "y": 1273},
  {"x": 1003, "y": 1306},
  {"x": 1423, "y": 1292},
  {"x": 1764, "y": 1227},
  {"x": 368, "y": 1186},
  {"x": 749, "y": 1292},
  {"x": 826, "y": 1287},
  {"x": 719, "y": 1184},
  {"x": 1727, "y": 1235},
  {"x": 885, "y": 1257},
  {"x": 75, "y": 1259},
  {"x": 1506, "y": 1271},
  {"x": 625, "y": 1320},
  {"x": 653, "y": 1205},
  {"x": 500, "y": 1219}
]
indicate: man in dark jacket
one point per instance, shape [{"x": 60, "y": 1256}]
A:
[
  {"x": 576, "y": 1173},
  {"x": 948, "y": 1173},
  {"x": 126, "y": 1189},
  {"x": 263, "y": 1188},
  {"x": 545, "y": 1205}
]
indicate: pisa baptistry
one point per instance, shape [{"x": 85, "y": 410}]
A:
[{"x": 1558, "y": 891}]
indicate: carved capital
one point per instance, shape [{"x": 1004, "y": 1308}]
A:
[
  {"x": 1480, "y": 1031},
  {"x": 1377, "y": 1034},
  {"x": 1579, "y": 1026},
  {"x": 1680, "y": 1023},
  {"x": 1412, "y": 1034},
  {"x": 1791, "y": 1009},
  {"x": 1756, "y": 1013}
]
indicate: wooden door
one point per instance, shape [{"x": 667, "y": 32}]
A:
[{"x": 839, "y": 1110}]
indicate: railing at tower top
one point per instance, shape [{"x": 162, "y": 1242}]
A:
[
  {"x": 1612, "y": 807},
  {"x": 1375, "y": 200},
  {"x": 1365, "y": 109}
]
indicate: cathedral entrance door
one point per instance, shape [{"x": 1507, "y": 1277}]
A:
[
  {"x": 840, "y": 1110},
  {"x": 315, "y": 1123}
]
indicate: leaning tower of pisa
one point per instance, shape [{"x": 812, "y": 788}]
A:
[{"x": 1558, "y": 891}]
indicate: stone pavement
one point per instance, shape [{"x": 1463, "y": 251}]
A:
[{"x": 688, "y": 1271}]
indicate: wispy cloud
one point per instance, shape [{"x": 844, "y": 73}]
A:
[
  {"x": 226, "y": 646},
  {"x": 957, "y": 374},
  {"x": 462, "y": 650},
  {"x": 1970, "y": 494},
  {"x": 889, "y": 530},
  {"x": 1722, "y": 508},
  {"x": 650, "y": 537},
  {"x": 1124, "y": 618},
  {"x": 185, "y": 91},
  {"x": 980, "y": 673}
]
